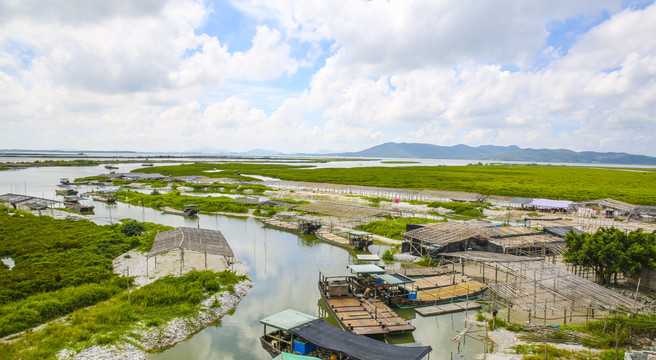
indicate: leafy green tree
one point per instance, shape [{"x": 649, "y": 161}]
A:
[
  {"x": 610, "y": 251},
  {"x": 133, "y": 228}
]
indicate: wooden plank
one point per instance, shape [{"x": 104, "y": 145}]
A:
[{"x": 448, "y": 308}]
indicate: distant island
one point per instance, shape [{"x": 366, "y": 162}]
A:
[{"x": 498, "y": 153}]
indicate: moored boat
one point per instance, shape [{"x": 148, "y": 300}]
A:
[
  {"x": 355, "y": 305},
  {"x": 189, "y": 210},
  {"x": 66, "y": 191},
  {"x": 307, "y": 335},
  {"x": 299, "y": 225},
  {"x": 354, "y": 240},
  {"x": 405, "y": 292},
  {"x": 110, "y": 199}
]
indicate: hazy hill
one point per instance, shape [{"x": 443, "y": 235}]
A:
[{"x": 498, "y": 153}]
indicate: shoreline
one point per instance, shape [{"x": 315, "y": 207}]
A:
[{"x": 173, "y": 332}]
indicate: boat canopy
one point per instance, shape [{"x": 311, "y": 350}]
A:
[
  {"x": 366, "y": 269},
  {"x": 367, "y": 257},
  {"x": 359, "y": 233},
  {"x": 360, "y": 347},
  {"x": 287, "y": 319},
  {"x": 394, "y": 279},
  {"x": 288, "y": 356}
]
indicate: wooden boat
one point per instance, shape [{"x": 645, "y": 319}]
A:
[
  {"x": 66, "y": 191},
  {"x": 147, "y": 164},
  {"x": 307, "y": 335},
  {"x": 189, "y": 210},
  {"x": 355, "y": 240},
  {"x": 300, "y": 225},
  {"x": 110, "y": 199},
  {"x": 457, "y": 292},
  {"x": 64, "y": 181},
  {"x": 421, "y": 272},
  {"x": 355, "y": 309},
  {"x": 428, "y": 291},
  {"x": 111, "y": 167},
  {"x": 76, "y": 206}
]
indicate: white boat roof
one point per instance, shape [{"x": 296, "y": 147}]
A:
[
  {"x": 366, "y": 269},
  {"x": 287, "y": 319},
  {"x": 367, "y": 257}
]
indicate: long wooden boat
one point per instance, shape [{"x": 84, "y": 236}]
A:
[
  {"x": 79, "y": 207},
  {"x": 357, "y": 313},
  {"x": 67, "y": 191},
  {"x": 355, "y": 240},
  {"x": 306, "y": 335},
  {"x": 421, "y": 272},
  {"x": 105, "y": 199},
  {"x": 303, "y": 226},
  {"x": 189, "y": 210},
  {"x": 457, "y": 292}
]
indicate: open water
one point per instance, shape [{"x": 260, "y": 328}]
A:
[{"x": 284, "y": 268}]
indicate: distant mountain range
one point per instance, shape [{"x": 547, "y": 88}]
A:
[{"x": 498, "y": 153}]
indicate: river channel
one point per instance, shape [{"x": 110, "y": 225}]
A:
[{"x": 284, "y": 268}]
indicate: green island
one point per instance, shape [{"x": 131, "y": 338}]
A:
[{"x": 63, "y": 279}]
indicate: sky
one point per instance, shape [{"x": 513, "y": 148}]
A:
[{"x": 300, "y": 76}]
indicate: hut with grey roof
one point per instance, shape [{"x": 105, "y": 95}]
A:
[{"x": 190, "y": 248}]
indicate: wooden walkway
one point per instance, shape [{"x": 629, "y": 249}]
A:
[{"x": 448, "y": 308}]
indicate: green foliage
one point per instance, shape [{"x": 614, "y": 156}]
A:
[
  {"x": 174, "y": 200},
  {"x": 37, "y": 309},
  {"x": 551, "y": 182},
  {"x": 388, "y": 255},
  {"x": 610, "y": 250},
  {"x": 392, "y": 227},
  {"x": 536, "y": 352},
  {"x": 109, "y": 321},
  {"x": 427, "y": 261},
  {"x": 61, "y": 265},
  {"x": 132, "y": 228}
]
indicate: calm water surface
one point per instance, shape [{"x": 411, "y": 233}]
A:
[{"x": 284, "y": 268}]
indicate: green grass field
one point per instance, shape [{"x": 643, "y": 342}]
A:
[{"x": 636, "y": 186}]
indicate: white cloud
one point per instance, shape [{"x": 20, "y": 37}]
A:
[{"x": 404, "y": 70}]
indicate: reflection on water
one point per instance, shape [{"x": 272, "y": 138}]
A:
[{"x": 284, "y": 268}]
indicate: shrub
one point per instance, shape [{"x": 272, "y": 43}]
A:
[{"x": 132, "y": 228}]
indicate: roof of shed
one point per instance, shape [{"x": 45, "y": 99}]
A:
[
  {"x": 446, "y": 232},
  {"x": 191, "y": 239}
]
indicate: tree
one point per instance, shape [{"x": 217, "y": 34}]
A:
[
  {"x": 133, "y": 228},
  {"x": 610, "y": 250}
]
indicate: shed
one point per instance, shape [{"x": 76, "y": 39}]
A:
[
  {"x": 194, "y": 241},
  {"x": 437, "y": 238}
]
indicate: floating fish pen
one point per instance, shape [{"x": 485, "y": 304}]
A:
[
  {"x": 354, "y": 307},
  {"x": 294, "y": 332},
  {"x": 300, "y": 225},
  {"x": 354, "y": 240}
]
